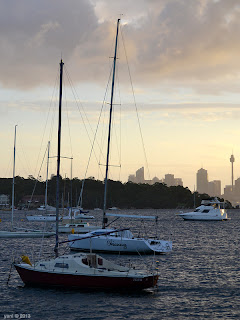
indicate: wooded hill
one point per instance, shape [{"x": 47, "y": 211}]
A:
[{"x": 122, "y": 195}]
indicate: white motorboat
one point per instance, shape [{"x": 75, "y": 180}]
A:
[
  {"x": 209, "y": 210},
  {"x": 112, "y": 241}
]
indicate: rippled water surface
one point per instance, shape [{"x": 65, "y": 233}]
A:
[{"x": 199, "y": 279}]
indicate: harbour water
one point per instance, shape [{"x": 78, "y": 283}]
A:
[{"x": 199, "y": 279}]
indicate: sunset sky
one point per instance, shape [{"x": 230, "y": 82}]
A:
[{"x": 184, "y": 61}]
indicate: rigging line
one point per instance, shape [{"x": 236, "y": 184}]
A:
[
  {"x": 114, "y": 126},
  {"x": 8, "y": 167},
  {"x": 94, "y": 139},
  {"x": 75, "y": 95},
  {"x": 103, "y": 132},
  {"x": 69, "y": 133},
  {"x": 45, "y": 125},
  {"x": 83, "y": 181},
  {"x": 36, "y": 181},
  {"x": 135, "y": 104},
  {"x": 24, "y": 154},
  {"x": 120, "y": 124},
  {"x": 54, "y": 111}
]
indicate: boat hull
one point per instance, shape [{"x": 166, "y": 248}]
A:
[
  {"x": 44, "y": 218},
  {"x": 202, "y": 217},
  {"x": 116, "y": 245},
  {"x": 41, "y": 278},
  {"x": 81, "y": 230},
  {"x": 30, "y": 234}
]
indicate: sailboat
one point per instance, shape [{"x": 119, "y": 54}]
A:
[
  {"x": 82, "y": 270},
  {"x": 21, "y": 233},
  {"x": 121, "y": 241}
]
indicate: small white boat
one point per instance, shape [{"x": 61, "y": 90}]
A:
[
  {"x": 82, "y": 227},
  {"x": 80, "y": 214},
  {"x": 47, "y": 208},
  {"x": 209, "y": 210},
  {"x": 40, "y": 217},
  {"x": 84, "y": 271},
  {"x": 26, "y": 234},
  {"x": 52, "y": 217},
  {"x": 112, "y": 241}
]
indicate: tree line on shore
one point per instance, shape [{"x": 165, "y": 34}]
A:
[{"x": 122, "y": 195}]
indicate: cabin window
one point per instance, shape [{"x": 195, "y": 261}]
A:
[
  {"x": 100, "y": 261},
  {"x": 196, "y": 210},
  {"x": 98, "y": 233},
  {"x": 205, "y": 211},
  {"x": 61, "y": 265}
]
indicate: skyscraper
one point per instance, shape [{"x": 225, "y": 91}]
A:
[
  {"x": 140, "y": 175},
  {"x": 202, "y": 181},
  {"x": 214, "y": 188}
]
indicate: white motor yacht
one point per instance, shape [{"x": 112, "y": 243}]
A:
[{"x": 209, "y": 210}]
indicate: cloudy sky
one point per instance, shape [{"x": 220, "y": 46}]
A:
[{"x": 184, "y": 64}]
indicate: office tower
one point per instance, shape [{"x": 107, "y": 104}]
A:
[
  {"x": 214, "y": 188},
  {"x": 132, "y": 178},
  {"x": 169, "y": 180},
  {"x": 178, "y": 182},
  {"x": 140, "y": 175},
  {"x": 202, "y": 181}
]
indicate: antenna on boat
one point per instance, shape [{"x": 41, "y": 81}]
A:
[
  {"x": 58, "y": 155},
  {"x": 109, "y": 130}
]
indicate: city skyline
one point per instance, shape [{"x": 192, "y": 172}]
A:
[{"x": 184, "y": 69}]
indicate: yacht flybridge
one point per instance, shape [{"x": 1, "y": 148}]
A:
[{"x": 209, "y": 210}]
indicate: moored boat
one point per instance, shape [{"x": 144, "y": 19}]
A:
[
  {"x": 209, "y": 210},
  {"x": 26, "y": 234},
  {"x": 81, "y": 227},
  {"x": 83, "y": 271},
  {"x": 112, "y": 241}
]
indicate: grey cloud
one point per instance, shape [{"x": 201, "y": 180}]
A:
[
  {"x": 34, "y": 34},
  {"x": 172, "y": 42}
]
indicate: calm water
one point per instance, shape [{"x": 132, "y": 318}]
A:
[{"x": 199, "y": 279}]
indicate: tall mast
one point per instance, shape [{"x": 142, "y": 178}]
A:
[
  {"x": 13, "y": 181},
  {"x": 47, "y": 177},
  {"x": 58, "y": 155},
  {"x": 109, "y": 130}
]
